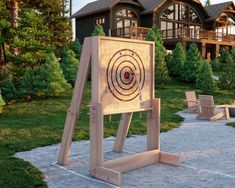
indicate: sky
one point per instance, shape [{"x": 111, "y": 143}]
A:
[{"x": 78, "y": 4}]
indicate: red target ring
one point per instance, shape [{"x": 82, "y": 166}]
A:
[{"x": 120, "y": 74}]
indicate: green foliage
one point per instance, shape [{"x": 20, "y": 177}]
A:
[
  {"x": 161, "y": 71},
  {"x": 69, "y": 65},
  {"x": 227, "y": 79},
  {"x": 2, "y": 102},
  {"x": 192, "y": 64},
  {"x": 207, "y": 3},
  {"x": 9, "y": 91},
  {"x": 48, "y": 80},
  {"x": 55, "y": 17},
  {"x": 31, "y": 38},
  {"x": 216, "y": 65},
  {"x": 225, "y": 56},
  {"x": 76, "y": 47},
  {"x": 178, "y": 61},
  {"x": 205, "y": 79},
  {"x": 98, "y": 31}
]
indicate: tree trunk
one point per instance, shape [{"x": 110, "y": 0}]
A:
[
  {"x": 14, "y": 13},
  {"x": 70, "y": 8}
]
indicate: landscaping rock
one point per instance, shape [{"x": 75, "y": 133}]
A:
[{"x": 206, "y": 148}]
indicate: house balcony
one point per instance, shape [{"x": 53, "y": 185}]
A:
[{"x": 179, "y": 34}]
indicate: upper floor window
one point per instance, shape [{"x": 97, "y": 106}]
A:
[
  {"x": 126, "y": 13},
  {"x": 180, "y": 12},
  {"x": 100, "y": 21}
]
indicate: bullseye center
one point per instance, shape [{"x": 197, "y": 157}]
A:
[{"x": 126, "y": 75}]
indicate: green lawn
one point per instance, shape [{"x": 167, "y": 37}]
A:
[{"x": 27, "y": 125}]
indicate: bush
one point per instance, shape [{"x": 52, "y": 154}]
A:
[
  {"x": 192, "y": 64},
  {"x": 76, "y": 47},
  {"x": 161, "y": 71},
  {"x": 227, "y": 79},
  {"x": 98, "y": 31},
  {"x": 2, "y": 102},
  {"x": 47, "y": 80},
  {"x": 69, "y": 65},
  {"x": 205, "y": 79},
  {"x": 9, "y": 92},
  {"x": 215, "y": 65},
  {"x": 178, "y": 61}
]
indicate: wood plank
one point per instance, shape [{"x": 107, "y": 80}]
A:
[
  {"x": 169, "y": 158},
  {"x": 153, "y": 126},
  {"x": 133, "y": 162},
  {"x": 96, "y": 136},
  {"x": 108, "y": 175},
  {"x": 122, "y": 131},
  {"x": 75, "y": 106}
]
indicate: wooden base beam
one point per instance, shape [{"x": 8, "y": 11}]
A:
[
  {"x": 169, "y": 158},
  {"x": 107, "y": 175},
  {"x": 133, "y": 162}
]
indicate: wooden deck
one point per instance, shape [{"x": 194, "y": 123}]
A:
[{"x": 197, "y": 35}]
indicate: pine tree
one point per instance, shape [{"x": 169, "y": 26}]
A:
[
  {"x": 98, "y": 31},
  {"x": 32, "y": 38},
  {"x": 207, "y": 3},
  {"x": 76, "y": 47},
  {"x": 52, "y": 75},
  {"x": 192, "y": 64},
  {"x": 48, "y": 80},
  {"x": 2, "y": 102},
  {"x": 205, "y": 79},
  {"x": 227, "y": 79},
  {"x": 178, "y": 61},
  {"x": 69, "y": 65},
  {"x": 161, "y": 71}
]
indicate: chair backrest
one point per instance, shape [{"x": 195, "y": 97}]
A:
[
  {"x": 191, "y": 98},
  {"x": 207, "y": 104}
]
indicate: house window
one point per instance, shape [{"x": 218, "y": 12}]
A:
[
  {"x": 100, "y": 21},
  {"x": 179, "y": 15},
  {"x": 125, "y": 18}
]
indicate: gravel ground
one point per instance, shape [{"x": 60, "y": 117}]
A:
[{"x": 207, "y": 153}]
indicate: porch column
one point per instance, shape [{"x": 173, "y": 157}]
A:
[
  {"x": 204, "y": 50},
  {"x": 217, "y": 48}
]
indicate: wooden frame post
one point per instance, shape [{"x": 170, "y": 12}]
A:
[
  {"x": 75, "y": 106},
  {"x": 122, "y": 131},
  {"x": 153, "y": 126}
]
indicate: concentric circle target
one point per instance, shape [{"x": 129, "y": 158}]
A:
[{"x": 121, "y": 75}]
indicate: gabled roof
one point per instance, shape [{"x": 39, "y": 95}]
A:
[
  {"x": 215, "y": 10},
  {"x": 102, "y": 5},
  {"x": 94, "y": 7}
]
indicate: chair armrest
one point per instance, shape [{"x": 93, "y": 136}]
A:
[{"x": 222, "y": 106}]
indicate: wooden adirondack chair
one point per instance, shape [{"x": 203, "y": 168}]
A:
[
  {"x": 208, "y": 110},
  {"x": 193, "y": 106}
]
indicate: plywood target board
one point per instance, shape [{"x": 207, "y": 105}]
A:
[{"x": 123, "y": 79}]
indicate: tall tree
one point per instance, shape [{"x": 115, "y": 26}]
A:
[
  {"x": 192, "y": 64},
  {"x": 178, "y": 61},
  {"x": 98, "y": 31},
  {"x": 161, "y": 72},
  {"x": 207, "y": 3},
  {"x": 70, "y": 7},
  {"x": 205, "y": 79}
]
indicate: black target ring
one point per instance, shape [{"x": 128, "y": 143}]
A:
[{"x": 120, "y": 74}]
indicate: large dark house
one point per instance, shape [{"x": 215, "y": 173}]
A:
[{"x": 186, "y": 21}]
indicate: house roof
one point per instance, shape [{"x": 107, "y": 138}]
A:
[
  {"x": 215, "y": 10},
  {"x": 149, "y": 6}
]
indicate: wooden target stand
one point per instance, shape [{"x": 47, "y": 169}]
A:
[{"x": 122, "y": 83}]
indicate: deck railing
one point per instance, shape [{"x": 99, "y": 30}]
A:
[
  {"x": 197, "y": 34},
  {"x": 189, "y": 33}
]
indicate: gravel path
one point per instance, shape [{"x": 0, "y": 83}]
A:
[{"x": 207, "y": 151}]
